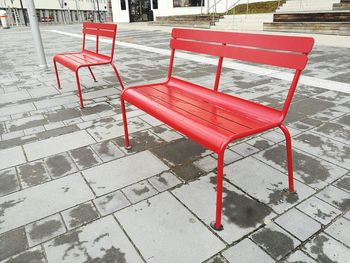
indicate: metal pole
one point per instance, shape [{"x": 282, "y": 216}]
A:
[
  {"x": 34, "y": 25},
  {"x": 24, "y": 15},
  {"x": 98, "y": 11}
]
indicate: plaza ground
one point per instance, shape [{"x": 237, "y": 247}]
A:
[{"x": 70, "y": 192}]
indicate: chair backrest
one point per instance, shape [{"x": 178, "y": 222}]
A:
[
  {"x": 100, "y": 30},
  {"x": 281, "y": 51}
]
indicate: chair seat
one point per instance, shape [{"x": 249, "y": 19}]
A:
[
  {"x": 85, "y": 58},
  {"x": 210, "y": 118}
]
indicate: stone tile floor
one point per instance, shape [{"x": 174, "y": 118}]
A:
[{"x": 70, "y": 192}]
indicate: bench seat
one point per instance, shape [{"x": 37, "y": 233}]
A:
[
  {"x": 75, "y": 60},
  {"x": 211, "y": 118}
]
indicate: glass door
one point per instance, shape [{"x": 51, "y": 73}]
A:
[{"x": 139, "y": 10}]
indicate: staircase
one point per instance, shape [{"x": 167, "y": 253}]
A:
[
  {"x": 312, "y": 16},
  {"x": 250, "y": 22},
  {"x": 196, "y": 21}
]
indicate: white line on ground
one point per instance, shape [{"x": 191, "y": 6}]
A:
[{"x": 310, "y": 81}]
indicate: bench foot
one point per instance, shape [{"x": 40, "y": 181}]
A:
[
  {"x": 212, "y": 224},
  {"x": 128, "y": 147}
]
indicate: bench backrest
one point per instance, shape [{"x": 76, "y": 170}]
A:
[
  {"x": 100, "y": 30},
  {"x": 281, "y": 51}
]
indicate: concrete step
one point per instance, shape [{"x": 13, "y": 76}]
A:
[
  {"x": 302, "y": 27},
  {"x": 313, "y": 17},
  {"x": 304, "y": 5},
  {"x": 193, "y": 24},
  {"x": 342, "y": 6},
  {"x": 252, "y": 22}
]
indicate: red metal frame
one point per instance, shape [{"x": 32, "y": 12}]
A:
[
  {"x": 210, "y": 117},
  {"x": 88, "y": 58}
]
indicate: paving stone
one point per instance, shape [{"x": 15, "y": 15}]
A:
[
  {"x": 266, "y": 184},
  {"x": 187, "y": 172},
  {"x": 240, "y": 214},
  {"x": 164, "y": 181},
  {"x": 276, "y": 241},
  {"x": 60, "y": 165},
  {"x": 217, "y": 259},
  {"x": 344, "y": 183},
  {"x": 84, "y": 157},
  {"x": 319, "y": 210},
  {"x": 335, "y": 152},
  {"x": 18, "y": 108},
  {"x": 26, "y": 123},
  {"x": 12, "y": 135},
  {"x": 336, "y": 197},
  {"x": 247, "y": 251},
  {"x": 117, "y": 174},
  {"x": 54, "y": 145},
  {"x": 260, "y": 143},
  {"x": 139, "y": 191},
  {"x": 11, "y": 157},
  {"x": 54, "y": 101},
  {"x": 100, "y": 93},
  {"x": 307, "y": 168},
  {"x": 207, "y": 163},
  {"x": 166, "y": 133},
  {"x": 340, "y": 230},
  {"x": 9, "y": 182},
  {"x": 44, "y": 229},
  {"x": 299, "y": 257},
  {"x": 244, "y": 149},
  {"x": 21, "y": 207},
  {"x": 107, "y": 151},
  {"x": 110, "y": 203},
  {"x": 31, "y": 174},
  {"x": 101, "y": 241},
  {"x": 14, "y": 97},
  {"x": 80, "y": 215},
  {"x": 324, "y": 249},
  {"x": 33, "y": 255},
  {"x": 12, "y": 242},
  {"x": 298, "y": 224},
  {"x": 171, "y": 226}
]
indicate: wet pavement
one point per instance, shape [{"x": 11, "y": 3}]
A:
[{"x": 70, "y": 192}]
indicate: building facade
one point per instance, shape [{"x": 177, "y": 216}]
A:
[
  {"x": 59, "y": 11},
  {"x": 147, "y": 10}
]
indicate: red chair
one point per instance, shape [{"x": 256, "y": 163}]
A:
[
  {"x": 210, "y": 117},
  {"x": 88, "y": 58}
]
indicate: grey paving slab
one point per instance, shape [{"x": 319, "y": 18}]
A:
[
  {"x": 139, "y": 191},
  {"x": 11, "y": 157},
  {"x": 343, "y": 183},
  {"x": 246, "y": 251},
  {"x": 60, "y": 165},
  {"x": 12, "y": 243},
  {"x": 164, "y": 181},
  {"x": 80, "y": 215},
  {"x": 276, "y": 241},
  {"x": 44, "y": 229},
  {"x": 266, "y": 184},
  {"x": 101, "y": 241},
  {"x": 107, "y": 151},
  {"x": 14, "y": 109},
  {"x": 9, "y": 181},
  {"x": 14, "y": 97},
  {"x": 31, "y": 174},
  {"x": 319, "y": 210},
  {"x": 298, "y": 224},
  {"x": 33, "y": 255},
  {"x": 117, "y": 174},
  {"x": 54, "y": 145},
  {"x": 240, "y": 215},
  {"x": 170, "y": 226},
  {"x": 110, "y": 203},
  {"x": 22, "y": 207},
  {"x": 335, "y": 197},
  {"x": 324, "y": 248},
  {"x": 340, "y": 230},
  {"x": 85, "y": 157},
  {"x": 58, "y": 100},
  {"x": 299, "y": 257},
  {"x": 217, "y": 259}
]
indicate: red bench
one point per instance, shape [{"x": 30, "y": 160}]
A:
[
  {"x": 212, "y": 118},
  {"x": 88, "y": 58}
]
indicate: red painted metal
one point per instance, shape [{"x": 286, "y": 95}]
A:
[
  {"x": 88, "y": 58},
  {"x": 212, "y": 118}
]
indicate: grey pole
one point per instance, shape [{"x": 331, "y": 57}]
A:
[{"x": 34, "y": 25}]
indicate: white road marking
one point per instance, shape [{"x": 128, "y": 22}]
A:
[{"x": 309, "y": 81}]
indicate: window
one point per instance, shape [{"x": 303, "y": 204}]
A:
[
  {"x": 122, "y": 4},
  {"x": 155, "y": 4},
  {"x": 188, "y": 3}
]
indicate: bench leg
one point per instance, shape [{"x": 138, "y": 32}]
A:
[
  {"x": 92, "y": 74},
  {"x": 125, "y": 122},
  {"x": 217, "y": 223},
  {"x": 57, "y": 77},
  {"x": 79, "y": 89},
  {"x": 118, "y": 77},
  {"x": 289, "y": 157}
]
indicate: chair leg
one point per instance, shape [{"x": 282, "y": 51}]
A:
[
  {"x": 289, "y": 157},
  {"x": 79, "y": 89},
  {"x": 125, "y": 122},
  {"x": 57, "y": 77},
  {"x": 92, "y": 74},
  {"x": 217, "y": 223},
  {"x": 118, "y": 77}
]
